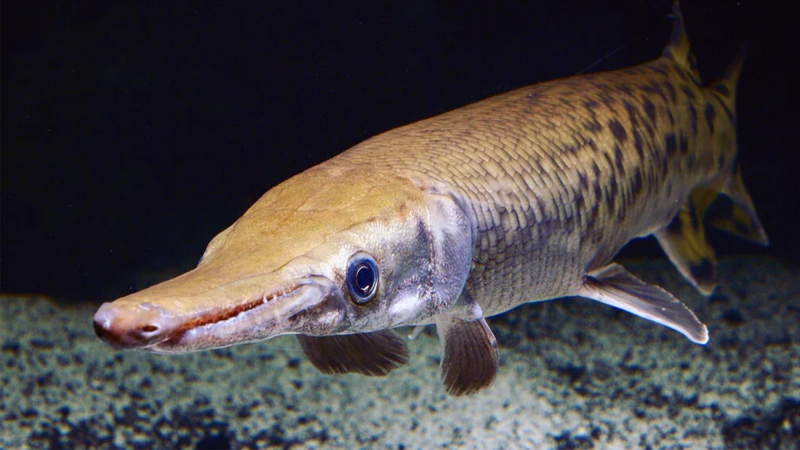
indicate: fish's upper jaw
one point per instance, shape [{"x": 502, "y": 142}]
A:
[
  {"x": 166, "y": 325},
  {"x": 134, "y": 326}
]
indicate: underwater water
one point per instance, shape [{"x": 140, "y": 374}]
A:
[{"x": 132, "y": 134}]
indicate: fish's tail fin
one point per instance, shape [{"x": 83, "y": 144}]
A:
[
  {"x": 730, "y": 208},
  {"x": 725, "y": 204},
  {"x": 678, "y": 48}
]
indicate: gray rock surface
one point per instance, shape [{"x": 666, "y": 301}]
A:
[{"x": 574, "y": 374}]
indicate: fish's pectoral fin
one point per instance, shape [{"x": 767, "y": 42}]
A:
[
  {"x": 684, "y": 242},
  {"x": 614, "y": 286},
  {"x": 375, "y": 354},
  {"x": 469, "y": 354}
]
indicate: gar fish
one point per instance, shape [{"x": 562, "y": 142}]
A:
[{"x": 522, "y": 197}]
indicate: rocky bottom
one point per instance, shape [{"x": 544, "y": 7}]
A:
[{"x": 573, "y": 374}]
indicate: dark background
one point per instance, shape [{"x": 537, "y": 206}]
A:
[{"x": 133, "y": 132}]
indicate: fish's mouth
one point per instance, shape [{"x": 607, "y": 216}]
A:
[{"x": 150, "y": 325}]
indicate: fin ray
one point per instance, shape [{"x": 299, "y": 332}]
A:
[
  {"x": 373, "y": 354},
  {"x": 614, "y": 286},
  {"x": 470, "y": 358}
]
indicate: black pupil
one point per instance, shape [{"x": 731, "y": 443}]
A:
[{"x": 365, "y": 277}]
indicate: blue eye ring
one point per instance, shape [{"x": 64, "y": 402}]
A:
[{"x": 362, "y": 278}]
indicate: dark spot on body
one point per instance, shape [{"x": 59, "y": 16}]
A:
[
  {"x": 633, "y": 113},
  {"x": 638, "y": 145},
  {"x": 619, "y": 159},
  {"x": 625, "y": 89},
  {"x": 688, "y": 91},
  {"x": 653, "y": 88},
  {"x": 650, "y": 110},
  {"x": 673, "y": 94},
  {"x": 607, "y": 99},
  {"x": 693, "y": 118},
  {"x": 584, "y": 183},
  {"x": 593, "y": 126},
  {"x": 670, "y": 144},
  {"x": 684, "y": 145},
  {"x": 636, "y": 183},
  {"x": 710, "y": 114},
  {"x": 658, "y": 69},
  {"x": 592, "y": 145},
  {"x": 603, "y": 87},
  {"x": 598, "y": 191},
  {"x": 592, "y": 217},
  {"x": 618, "y": 130},
  {"x": 579, "y": 200},
  {"x": 590, "y": 104}
]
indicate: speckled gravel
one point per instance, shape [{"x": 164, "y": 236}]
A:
[{"x": 574, "y": 374}]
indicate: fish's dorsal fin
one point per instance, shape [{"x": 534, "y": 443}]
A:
[
  {"x": 678, "y": 48},
  {"x": 684, "y": 242},
  {"x": 614, "y": 286},
  {"x": 374, "y": 354},
  {"x": 469, "y": 354}
]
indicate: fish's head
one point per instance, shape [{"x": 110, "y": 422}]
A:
[{"x": 330, "y": 251}]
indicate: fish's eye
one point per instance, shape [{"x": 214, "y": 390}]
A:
[{"x": 362, "y": 278}]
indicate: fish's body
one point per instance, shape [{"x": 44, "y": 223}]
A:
[
  {"x": 558, "y": 176},
  {"x": 522, "y": 197}
]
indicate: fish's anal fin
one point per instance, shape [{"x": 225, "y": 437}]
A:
[
  {"x": 375, "y": 354},
  {"x": 614, "y": 286},
  {"x": 469, "y": 354},
  {"x": 684, "y": 242}
]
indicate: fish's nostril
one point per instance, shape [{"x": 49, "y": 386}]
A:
[{"x": 149, "y": 328}]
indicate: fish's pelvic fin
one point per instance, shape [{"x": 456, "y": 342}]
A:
[
  {"x": 614, "y": 286},
  {"x": 374, "y": 354},
  {"x": 469, "y": 354}
]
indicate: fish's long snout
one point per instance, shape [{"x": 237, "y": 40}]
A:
[
  {"x": 126, "y": 329},
  {"x": 163, "y": 321}
]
